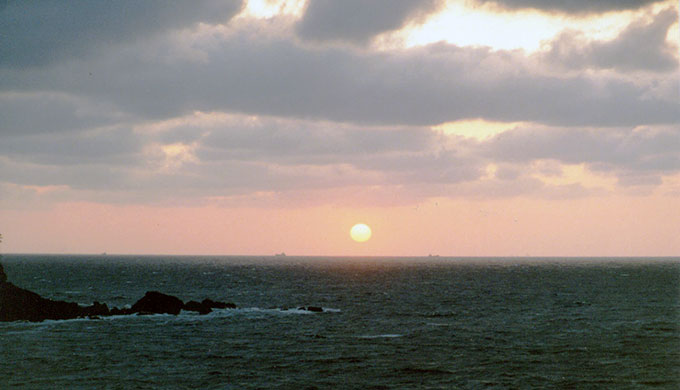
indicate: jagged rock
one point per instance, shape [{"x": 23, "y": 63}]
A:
[
  {"x": 198, "y": 307},
  {"x": 217, "y": 304},
  {"x": 156, "y": 302}
]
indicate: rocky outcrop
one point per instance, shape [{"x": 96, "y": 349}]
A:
[
  {"x": 158, "y": 303},
  {"x": 18, "y": 304}
]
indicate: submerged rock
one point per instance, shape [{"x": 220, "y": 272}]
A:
[
  {"x": 159, "y": 303},
  {"x": 315, "y": 309}
]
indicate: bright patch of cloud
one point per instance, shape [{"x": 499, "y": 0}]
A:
[
  {"x": 476, "y": 128},
  {"x": 172, "y": 157},
  {"x": 265, "y": 9}
]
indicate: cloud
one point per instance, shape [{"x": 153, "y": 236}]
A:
[
  {"x": 421, "y": 86},
  {"x": 573, "y": 6},
  {"x": 630, "y": 154},
  {"x": 115, "y": 145},
  {"x": 207, "y": 155},
  {"x": 358, "y": 21},
  {"x": 45, "y": 112},
  {"x": 226, "y": 111},
  {"x": 37, "y": 33},
  {"x": 641, "y": 46},
  {"x": 309, "y": 141}
]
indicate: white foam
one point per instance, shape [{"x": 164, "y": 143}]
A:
[{"x": 381, "y": 336}]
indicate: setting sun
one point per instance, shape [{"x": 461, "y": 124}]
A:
[{"x": 360, "y": 232}]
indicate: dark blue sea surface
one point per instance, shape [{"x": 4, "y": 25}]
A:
[{"x": 389, "y": 323}]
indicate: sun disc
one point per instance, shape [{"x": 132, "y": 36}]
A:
[{"x": 360, "y": 232}]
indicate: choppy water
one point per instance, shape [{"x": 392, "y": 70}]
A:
[{"x": 390, "y": 323}]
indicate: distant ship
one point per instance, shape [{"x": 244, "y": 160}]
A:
[{"x": 282, "y": 254}]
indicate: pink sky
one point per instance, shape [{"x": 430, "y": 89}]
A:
[
  {"x": 519, "y": 227},
  {"x": 233, "y": 127}
]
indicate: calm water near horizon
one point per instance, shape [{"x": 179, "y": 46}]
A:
[{"x": 389, "y": 323}]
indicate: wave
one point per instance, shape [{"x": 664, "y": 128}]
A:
[
  {"x": 184, "y": 315},
  {"x": 381, "y": 336}
]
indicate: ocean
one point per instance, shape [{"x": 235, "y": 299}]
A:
[{"x": 388, "y": 323}]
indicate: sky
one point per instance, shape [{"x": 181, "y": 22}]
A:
[{"x": 450, "y": 127}]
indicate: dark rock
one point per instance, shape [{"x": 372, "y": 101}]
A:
[
  {"x": 97, "y": 309},
  {"x": 3, "y": 276},
  {"x": 18, "y": 304},
  {"x": 217, "y": 304},
  {"x": 156, "y": 302},
  {"x": 196, "y": 306},
  {"x": 120, "y": 312}
]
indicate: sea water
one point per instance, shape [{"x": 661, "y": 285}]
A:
[{"x": 388, "y": 323}]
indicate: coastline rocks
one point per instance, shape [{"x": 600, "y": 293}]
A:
[
  {"x": 158, "y": 303},
  {"x": 18, "y": 304}
]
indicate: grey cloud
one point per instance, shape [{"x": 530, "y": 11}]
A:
[
  {"x": 444, "y": 167},
  {"x": 571, "y": 6},
  {"x": 304, "y": 141},
  {"x": 359, "y": 20},
  {"x": 41, "y": 113},
  {"x": 408, "y": 155},
  {"x": 116, "y": 146},
  {"x": 641, "y": 46},
  {"x": 627, "y": 153},
  {"x": 424, "y": 86},
  {"x": 85, "y": 177},
  {"x": 35, "y": 33},
  {"x": 236, "y": 160}
]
